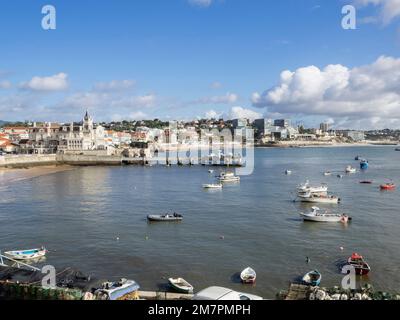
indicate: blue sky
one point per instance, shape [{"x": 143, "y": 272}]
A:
[{"x": 178, "y": 59}]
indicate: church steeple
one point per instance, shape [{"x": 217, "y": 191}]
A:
[{"x": 86, "y": 118}]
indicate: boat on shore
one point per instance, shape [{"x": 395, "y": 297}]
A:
[
  {"x": 165, "y": 217},
  {"x": 115, "y": 290},
  {"x": 312, "y": 278},
  {"x": 317, "y": 216},
  {"x": 228, "y": 177},
  {"x": 213, "y": 186},
  {"x": 26, "y": 254},
  {"x": 316, "y": 198},
  {"x": 248, "y": 276},
  {"x": 360, "y": 265},
  {"x": 388, "y": 186},
  {"x": 181, "y": 285}
]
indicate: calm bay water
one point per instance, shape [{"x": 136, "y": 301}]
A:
[{"x": 79, "y": 214}]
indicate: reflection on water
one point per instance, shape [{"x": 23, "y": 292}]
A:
[{"x": 94, "y": 219}]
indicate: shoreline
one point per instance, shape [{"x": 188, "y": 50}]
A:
[{"x": 11, "y": 175}]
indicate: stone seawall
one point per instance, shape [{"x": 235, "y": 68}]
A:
[
  {"x": 18, "y": 161},
  {"x": 21, "y": 161}
]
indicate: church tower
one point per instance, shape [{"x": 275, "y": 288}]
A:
[{"x": 87, "y": 123}]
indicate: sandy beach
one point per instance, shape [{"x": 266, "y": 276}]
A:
[{"x": 8, "y": 175}]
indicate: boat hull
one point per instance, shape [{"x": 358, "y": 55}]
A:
[
  {"x": 154, "y": 218},
  {"x": 320, "y": 200},
  {"x": 26, "y": 254},
  {"x": 323, "y": 218},
  {"x": 181, "y": 286}
]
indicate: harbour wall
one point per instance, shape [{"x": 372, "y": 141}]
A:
[
  {"x": 28, "y": 160},
  {"x": 22, "y": 161}
]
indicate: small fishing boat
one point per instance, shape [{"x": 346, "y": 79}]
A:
[
  {"x": 366, "y": 182},
  {"x": 115, "y": 290},
  {"x": 210, "y": 171},
  {"x": 327, "y": 173},
  {"x": 350, "y": 169},
  {"x": 213, "y": 186},
  {"x": 364, "y": 164},
  {"x": 181, "y": 285},
  {"x": 317, "y": 216},
  {"x": 315, "y": 198},
  {"x": 312, "y": 278},
  {"x": 228, "y": 177},
  {"x": 288, "y": 172},
  {"x": 248, "y": 276},
  {"x": 26, "y": 254},
  {"x": 165, "y": 217},
  {"x": 360, "y": 265},
  {"x": 388, "y": 186}
]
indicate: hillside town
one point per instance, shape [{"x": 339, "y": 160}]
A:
[{"x": 139, "y": 138}]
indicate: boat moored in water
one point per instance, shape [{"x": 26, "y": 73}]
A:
[
  {"x": 315, "y": 198},
  {"x": 26, "y": 254},
  {"x": 307, "y": 189},
  {"x": 364, "y": 164},
  {"x": 165, "y": 217},
  {"x": 312, "y": 278},
  {"x": 366, "y": 182},
  {"x": 350, "y": 169},
  {"x": 228, "y": 177},
  {"x": 317, "y": 216},
  {"x": 360, "y": 265},
  {"x": 181, "y": 285},
  {"x": 248, "y": 276},
  {"x": 388, "y": 186}
]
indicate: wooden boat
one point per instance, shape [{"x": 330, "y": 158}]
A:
[
  {"x": 316, "y": 216},
  {"x": 248, "y": 276},
  {"x": 360, "y": 265},
  {"x": 26, "y": 254},
  {"x": 212, "y": 186},
  {"x": 366, "y": 182},
  {"x": 312, "y": 278},
  {"x": 388, "y": 186},
  {"x": 315, "y": 198},
  {"x": 115, "y": 290},
  {"x": 181, "y": 285},
  {"x": 165, "y": 217}
]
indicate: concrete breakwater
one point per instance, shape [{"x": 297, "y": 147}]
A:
[{"x": 20, "y": 161}]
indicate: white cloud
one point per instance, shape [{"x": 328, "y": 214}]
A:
[
  {"x": 115, "y": 85},
  {"x": 239, "y": 113},
  {"x": 388, "y": 9},
  {"x": 337, "y": 91},
  {"x": 57, "y": 82},
  {"x": 201, "y": 3},
  {"x": 212, "y": 114},
  {"x": 225, "y": 99}
]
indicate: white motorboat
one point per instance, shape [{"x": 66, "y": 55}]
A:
[
  {"x": 327, "y": 173},
  {"x": 26, "y": 254},
  {"x": 248, "y": 276},
  {"x": 317, "y": 216},
  {"x": 213, "y": 186},
  {"x": 350, "y": 169},
  {"x": 288, "y": 172},
  {"x": 116, "y": 290},
  {"x": 318, "y": 198},
  {"x": 228, "y": 177},
  {"x": 306, "y": 188},
  {"x": 165, "y": 217},
  {"x": 210, "y": 171}
]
